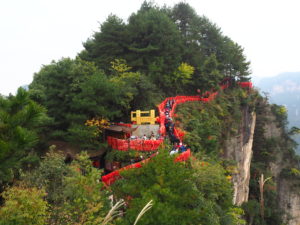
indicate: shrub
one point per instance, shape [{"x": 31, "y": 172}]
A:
[{"x": 24, "y": 206}]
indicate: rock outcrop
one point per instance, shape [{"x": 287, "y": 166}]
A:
[
  {"x": 289, "y": 201},
  {"x": 239, "y": 149},
  {"x": 288, "y": 196}
]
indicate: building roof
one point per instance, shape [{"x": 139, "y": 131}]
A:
[{"x": 123, "y": 129}]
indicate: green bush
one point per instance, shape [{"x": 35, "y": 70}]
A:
[
  {"x": 24, "y": 206},
  {"x": 182, "y": 193}
]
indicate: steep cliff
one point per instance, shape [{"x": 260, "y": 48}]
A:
[
  {"x": 288, "y": 194},
  {"x": 274, "y": 156},
  {"x": 239, "y": 149},
  {"x": 224, "y": 130},
  {"x": 248, "y": 136},
  {"x": 289, "y": 201}
]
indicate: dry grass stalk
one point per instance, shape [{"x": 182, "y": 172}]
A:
[
  {"x": 113, "y": 212},
  {"x": 144, "y": 210}
]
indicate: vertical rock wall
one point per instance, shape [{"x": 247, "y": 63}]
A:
[
  {"x": 288, "y": 198},
  {"x": 239, "y": 149},
  {"x": 289, "y": 201}
]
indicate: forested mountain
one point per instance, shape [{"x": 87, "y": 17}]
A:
[
  {"x": 234, "y": 135},
  {"x": 160, "y": 52},
  {"x": 284, "y": 89}
]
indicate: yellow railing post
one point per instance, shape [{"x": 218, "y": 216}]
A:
[
  {"x": 152, "y": 116},
  {"x": 139, "y": 117}
]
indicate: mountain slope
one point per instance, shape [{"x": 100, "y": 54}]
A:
[{"x": 284, "y": 89}]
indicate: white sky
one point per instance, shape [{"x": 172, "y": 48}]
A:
[{"x": 34, "y": 32}]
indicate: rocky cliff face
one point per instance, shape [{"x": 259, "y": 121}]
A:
[
  {"x": 288, "y": 196},
  {"x": 239, "y": 149},
  {"x": 274, "y": 157},
  {"x": 289, "y": 201}
]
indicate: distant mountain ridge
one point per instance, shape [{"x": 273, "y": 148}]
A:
[{"x": 284, "y": 89}]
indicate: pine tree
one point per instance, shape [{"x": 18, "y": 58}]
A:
[{"x": 20, "y": 118}]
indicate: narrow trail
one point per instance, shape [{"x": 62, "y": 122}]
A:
[{"x": 167, "y": 128}]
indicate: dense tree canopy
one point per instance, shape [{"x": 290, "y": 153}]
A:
[
  {"x": 107, "y": 45},
  {"x": 155, "y": 41},
  {"x": 24, "y": 206},
  {"x": 159, "y": 52},
  {"x": 126, "y": 66},
  {"x": 20, "y": 120},
  {"x": 181, "y": 195},
  {"x": 74, "y": 91}
]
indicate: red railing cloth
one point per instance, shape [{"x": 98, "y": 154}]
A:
[{"x": 150, "y": 145}]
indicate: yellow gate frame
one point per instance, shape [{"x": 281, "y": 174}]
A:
[{"x": 142, "y": 117}]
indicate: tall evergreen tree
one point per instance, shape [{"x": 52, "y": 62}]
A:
[
  {"x": 203, "y": 39},
  {"x": 108, "y": 44},
  {"x": 20, "y": 118},
  {"x": 56, "y": 85},
  {"x": 155, "y": 43},
  {"x": 74, "y": 91}
]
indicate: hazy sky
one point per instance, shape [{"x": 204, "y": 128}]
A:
[{"x": 34, "y": 32}]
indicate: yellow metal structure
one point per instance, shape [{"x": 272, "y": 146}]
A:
[{"x": 142, "y": 117}]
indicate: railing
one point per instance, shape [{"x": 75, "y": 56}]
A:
[
  {"x": 151, "y": 145},
  {"x": 143, "y": 117},
  {"x": 115, "y": 175},
  {"x": 137, "y": 144}
]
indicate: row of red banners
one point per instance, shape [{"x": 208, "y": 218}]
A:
[
  {"x": 151, "y": 145},
  {"x": 137, "y": 144}
]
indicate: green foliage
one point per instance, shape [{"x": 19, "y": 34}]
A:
[
  {"x": 181, "y": 78},
  {"x": 211, "y": 75},
  {"x": 155, "y": 41},
  {"x": 174, "y": 200},
  {"x": 294, "y": 131},
  {"x": 186, "y": 71},
  {"x": 271, "y": 144},
  {"x": 85, "y": 137},
  {"x": 107, "y": 45},
  {"x": 20, "y": 121},
  {"x": 126, "y": 156},
  {"x": 120, "y": 156},
  {"x": 203, "y": 40},
  {"x": 99, "y": 97},
  {"x": 56, "y": 85},
  {"x": 210, "y": 179},
  {"x": 234, "y": 216},
  {"x": 74, "y": 91},
  {"x": 73, "y": 191},
  {"x": 208, "y": 124},
  {"x": 84, "y": 201},
  {"x": 155, "y": 44},
  {"x": 280, "y": 113},
  {"x": 251, "y": 209},
  {"x": 204, "y": 130},
  {"x": 49, "y": 175},
  {"x": 120, "y": 66},
  {"x": 138, "y": 91},
  {"x": 291, "y": 173},
  {"x": 24, "y": 206},
  {"x": 84, "y": 92},
  {"x": 125, "y": 66},
  {"x": 180, "y": 195}
]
